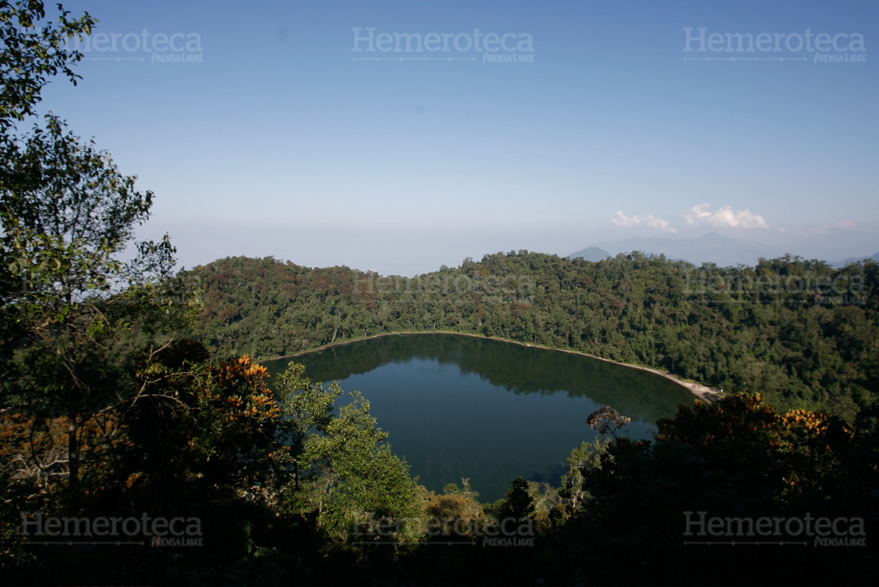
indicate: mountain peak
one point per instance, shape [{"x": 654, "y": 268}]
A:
[{"x": 593, "y": 254}]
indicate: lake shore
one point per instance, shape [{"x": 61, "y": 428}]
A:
[{"x": 701, "y": 391}]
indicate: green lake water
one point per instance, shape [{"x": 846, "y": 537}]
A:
[{"x": 490, "y": 411}]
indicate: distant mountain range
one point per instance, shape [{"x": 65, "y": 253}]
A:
[
  {"x": 845, "y": 262},
  {"x": 711, "y": 248}
]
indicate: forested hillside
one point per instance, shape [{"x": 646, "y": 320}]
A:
[{"x": 801, "y": 332}]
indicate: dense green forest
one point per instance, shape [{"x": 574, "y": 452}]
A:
[
  {"x": 800, "y": 332},
  {"x": 141, "y": 444}
]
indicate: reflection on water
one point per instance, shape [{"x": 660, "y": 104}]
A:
[{"x": 458, "y": 406}]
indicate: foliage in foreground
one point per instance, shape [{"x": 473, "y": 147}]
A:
[
  {"x": 205, "y": 440},
  {"x": 349, "y": 512}
]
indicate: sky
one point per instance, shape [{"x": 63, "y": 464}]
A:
[{"x": 402, "y": 136}]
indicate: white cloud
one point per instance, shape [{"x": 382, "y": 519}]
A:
[
  {"x": 724, "y": 217},
  {"x": 645, "y": 219}
]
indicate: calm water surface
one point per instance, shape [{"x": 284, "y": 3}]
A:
[{"x": 486, "y": 410}]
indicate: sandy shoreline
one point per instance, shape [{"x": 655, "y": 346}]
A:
[{"x": 701, "y": 391}]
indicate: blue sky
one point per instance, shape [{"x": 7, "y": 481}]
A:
[{"x": 269, "y": 135}]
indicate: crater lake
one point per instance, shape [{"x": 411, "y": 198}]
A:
[{"x": 466, "y": 407}]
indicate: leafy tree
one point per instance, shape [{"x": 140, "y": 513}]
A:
[
  {"x": 31, "y": 56},
  {"x": 582, "y": 458},
  {"x": 350, "y": 474},
  {"x": 737, "y": 457},
  {"x": 204, "y": 426},
  {"x": 308, "y": 410},
  {"x": 67, "y": 217},
  {"x": 518, "y": 504},
  {"x": 454, "y": 511},
  {"x": 607, "y": 419}
]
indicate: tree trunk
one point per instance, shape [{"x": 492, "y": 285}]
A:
[{"x": 72, "y": 452}]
